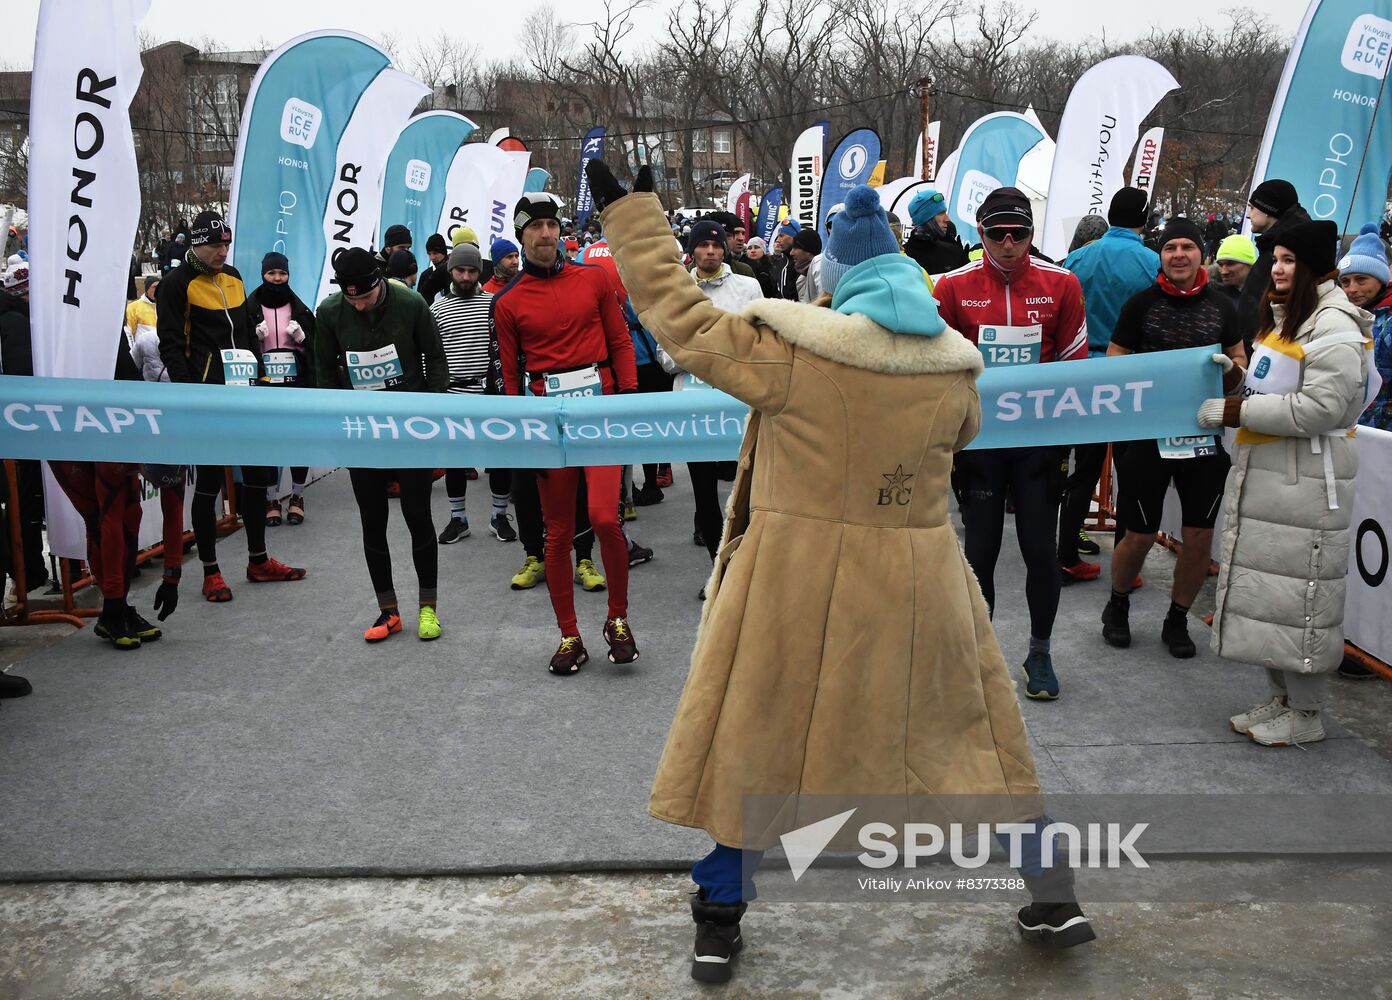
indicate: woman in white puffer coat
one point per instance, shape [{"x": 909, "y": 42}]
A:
[{"x": 1285, "y": 537}]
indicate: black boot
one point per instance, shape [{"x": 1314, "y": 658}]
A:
[
  {"x": 1116, "y": 625},
  {"x": 1175, "y": 635},
  {"x": 718, "y": 938},
  {"x": 12, "y": 686},
  {"x": 1054, "y": 920}
]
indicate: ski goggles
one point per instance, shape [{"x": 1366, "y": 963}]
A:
[{"x": 1003, "y": 234}]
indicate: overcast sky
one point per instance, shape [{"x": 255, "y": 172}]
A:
[{"x": 240, "y": 24}]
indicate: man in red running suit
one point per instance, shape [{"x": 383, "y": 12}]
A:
[
  {"x": 1017, "y": 310},
  {"x": 559, "y": 326}
]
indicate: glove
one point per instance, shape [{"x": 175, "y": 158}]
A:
[
  {"x": 1232, "y": 374},
  {"x": 605, "y": 188},
  {"x": 261, "y": 330},
  {"x": 1221, "y": 412},
  {"x": 296, "y": 332},
  {"x": 167, "y": 597}
]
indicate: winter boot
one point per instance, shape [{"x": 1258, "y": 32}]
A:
[{"x": 718, "y": 938}]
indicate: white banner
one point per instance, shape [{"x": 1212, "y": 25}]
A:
[
  {"x": 84, "y": 201},
  {"x": 809, "y": 158},
  {"x": 1098, "y": 131},
  {"x": 468, "y": 189},
  {"x": 1367, "y": 623},
  {"x": 1147, "y": 162},
  {"x": 504, "y": 193},
  {"x": 355, "y": 200},
  {"x": 737, "y": 190},
  {"x": 896, "y": 195}
]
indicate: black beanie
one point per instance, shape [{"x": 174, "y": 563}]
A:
[
  {"x": 1006, "y": 206},
  {"x": 807, "y": 239},
  {"x": 275, "y": 262},
  {"x": 355, "y": 270},
  {"x": 535, "y": 205},
  {"x": 1315, "y": 244},
  {"x": 436, "y": 244},
  {"x": 402, "y": 264},
  {"x": 1274, "y": 197},
  {"x": 1180, "y": 228},
  {"x": 209, "y": 227},
  {"x": 1128, "y": 209},
  {"x": 396, "y": 235},
  {"x": 706, "y": 229}
]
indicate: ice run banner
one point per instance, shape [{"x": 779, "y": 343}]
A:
[
  {"x": 1147, "y": 162},
  {"x": 413, "y": 188},
  {"x": 1321, "y": 134},
  {"x": 809, "y": 156},
  {"x": 481, "y": 191},
  {"x": 1098, "y": 131},
  {"x": 1102, "y": 399},
  {"x": 592, "y": 148},
  {"x": 768, "y": 215},
  {"x": 1366, "y": 621},
  {"x": 851, "y": 164},
  {"x": 297, "y": 113},
  {"x": 84, "y": 200},
  {"x": 989, "y": 157}
]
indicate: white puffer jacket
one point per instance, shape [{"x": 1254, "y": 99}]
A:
[{"x": 728, "y": 291}]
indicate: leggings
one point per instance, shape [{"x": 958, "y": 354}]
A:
[
  {"x": 299, "y": 474},
  {"x": 526, "y": 503},
  {"x": 107, "y": 496},
  {"x": 710, "y": 520},
  {"x": 558, "y": 489},
  {"x": 1032, "y": 475},
  {"x": 370, "y": 491},
  {"x": 1077, "y": 498},
  {"x": 457, "y": 482},
  {"x": 651, "y": 378},
  {"x": 207, "y": 483}
]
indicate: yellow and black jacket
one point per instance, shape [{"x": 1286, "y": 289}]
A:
[{"x": 199, "y": 316}]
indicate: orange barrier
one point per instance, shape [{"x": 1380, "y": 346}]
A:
[{"x": 1104, "y": 517}]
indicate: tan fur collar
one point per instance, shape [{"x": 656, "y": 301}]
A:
[{"x": 861, "y": 343}]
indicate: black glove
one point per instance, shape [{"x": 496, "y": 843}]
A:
[
  {"x": 605, "y": 188},
  {"x": 167, "y": 597}
]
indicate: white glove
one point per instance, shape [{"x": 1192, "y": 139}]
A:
[
  {"x": 1223, "y": 361},
  {"x": 261, "y": 330},
  {"x": 295, "y": 331},
  {"x": 1211, "y": 412}
]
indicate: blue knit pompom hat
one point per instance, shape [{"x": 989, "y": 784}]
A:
[
  {"x": 926, "y": 205},
  {"x": 861, "y": 232},
  {"x": 1366, "y": 255}
]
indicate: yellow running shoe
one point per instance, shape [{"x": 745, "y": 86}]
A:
[
  {"x": 587, "y": 575},
  {"x": 429, "y": 626},
  {"x": 533, "y": 571}
]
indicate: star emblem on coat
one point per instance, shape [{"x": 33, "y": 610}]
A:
[{"x": 898, "y": 479}]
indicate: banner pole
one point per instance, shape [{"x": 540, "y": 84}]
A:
[{"x": 925, "y": 92}]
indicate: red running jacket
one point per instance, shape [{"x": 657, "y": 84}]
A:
[
  {"x": 1035, "y": 293},
  {"x": 560, "y": 319}
]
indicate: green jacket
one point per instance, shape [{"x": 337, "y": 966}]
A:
[{"x": 402, "y": 320}]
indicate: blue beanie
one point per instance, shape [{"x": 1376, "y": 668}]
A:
[
  {"x": 927, "y": 204},
  {"x": 501, "y": 248},
  {"x": 1366, "y": 255},
  {"x": 789, "y": 227},
  {"x": 862, "y": 232}
]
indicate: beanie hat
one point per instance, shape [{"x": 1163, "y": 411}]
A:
[
  {"x": 355, "y": 270},
  {"x": 17, "y": 275},
  {"x": 788, "y": 227},
  {"x": 862, "y": 233},
  {"x": 1128, "y": 208},
  {"x": 1090, "y": 227},
  {"x": 926, "y": 205},
  {"x": 756, "y": 241},
  {"x": 535, "y": 205},
  {"x": 501, "y": 248},
  {"x": 467, "y": 255},
  {"x": 1274, "y": 197},
  {"x": 1237, "y": 247},
  {"x": 1180, "y": 228},
  {"x": 463, "y": 234},
  {"x": 275, "y": 262},
  {"x": 1005, "y": 206},
  {"x": 396, "y": 235},
  {"x": 402, "y": 264},
  {"x": 435, "y": 243},
  {"x": 1313, "y": 244},
  {"x": 704, "y": 230},
  {"x": 728, "y": 221},
  {"x": 209, "y": 227},
  {"x": 809, "y": 240},
  {"x": 1367, "y": 255}
]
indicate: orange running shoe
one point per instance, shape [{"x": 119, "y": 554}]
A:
[
  {"x": 216, "y": 590},
  {"x": 273, "y": 571},
  {"x": 387, "y": 623}
]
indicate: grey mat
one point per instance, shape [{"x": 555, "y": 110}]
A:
[{"x": 263, "y": 737}]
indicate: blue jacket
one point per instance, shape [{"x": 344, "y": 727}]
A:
[{"x": 1111, "y": 270}]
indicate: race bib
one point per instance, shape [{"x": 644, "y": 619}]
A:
[
  {"x": 379, "y": 369},
  {"x": 686, "y": 380},
  {"x": 281, "y": 367},
  {"x": 238, "y": 367},
  {"x": 581, "y": 382},
  {"x": 1274, "y": 371},
  {"x": 1200, "y": 446},
  {"x": 1002, "y": 346}
]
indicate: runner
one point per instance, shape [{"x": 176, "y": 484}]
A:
[
  {"x": 563, "y": 322},
  {"x": 1017, "y": 310},
  {"x": 204, "y": 339},
  {"x": 370, "y": 325}
]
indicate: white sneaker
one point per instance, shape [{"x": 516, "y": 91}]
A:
[
  {"x": 1289, "y": 728},
  {"x": 1255, "y": 716}
]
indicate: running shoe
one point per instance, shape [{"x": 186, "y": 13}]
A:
[
  {"x": 456, "y": 530},
  {"x": 533, "y": 571},
  {"x": 1116, "y": 623},
  {"x": 215, "y": 589},
  {"x": 1175, "y": 635},
  {"x": 144, "y": 631},
  {"x": 664, "y": 476},
  {"x": 429, "y": 625},
  {"x": 698, "y": 539},
  {"x": 622, "y": 648},
  {"x": 629, "y": 514},
  {"x": 273, "y": 571},
  {"x": 647, "y": 496},
  {"x": 501, "y": 526},
  {"x": 1086, "y": 546},
  {"x": 588, "y": 576},
  {"x": 638, "y": 554},
  {"x": 394, "y": 490},
  {"x": 1079, "y": 572},
  {"x": 1040, "y": 682},
  {"x": 570, "y": 657},
  {"x": 118, "y": 633},
  {"x": 273, "y": 513},
  {"x": 295, "y": 512},
  {"x": 387, "y": 623},
  {"x": 1055, "y": 925}
]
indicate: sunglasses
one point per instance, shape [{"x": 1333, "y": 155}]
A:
[{"x": 1000, "y": 234}]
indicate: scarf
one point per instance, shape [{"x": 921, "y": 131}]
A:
[
  {"x": 272, "y": 295},
  {"x": 191, "y": 259},
  {"x": 1170, "y": 288}
]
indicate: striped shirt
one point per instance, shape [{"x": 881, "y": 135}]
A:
[{"x": 464, "y": 330}]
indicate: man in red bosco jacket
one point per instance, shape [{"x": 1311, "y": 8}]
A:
[
  {"x": 1017, "y": 310},
  {"x": 560, "y": 323}
]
